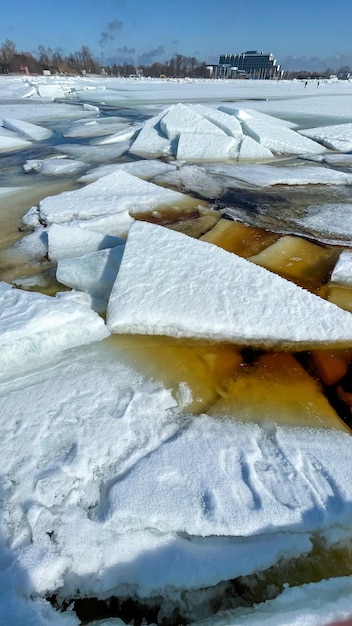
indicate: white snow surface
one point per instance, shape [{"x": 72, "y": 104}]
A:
[{"x": 189, "y": 288}]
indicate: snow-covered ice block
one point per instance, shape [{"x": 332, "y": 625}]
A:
[
  {"x": 69, "y": 241},
  {"x": 337, "y": 137},
  {"x": 181, "y": 118},
  {"x": 94, "y": 273},
  {"x": 342, "y": 272},
  {"x": 208, "y": 293},
  {"x": 150, "y": 142},
  {"x": 278, "y": 138},
  {"x": 228, "y": 123},
  {"x": 246, "y": 114},
  {"x": 29, "y": 131},
  {"x": 50, "y": 91},
  {"x": 34, "y": 327},
  {"x": 253, "y": 150},
  {"x": 201, "y": 147},
  {"x": 109, "y": 196}
]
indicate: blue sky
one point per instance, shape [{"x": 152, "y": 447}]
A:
[{"x": 143, "y": 31}]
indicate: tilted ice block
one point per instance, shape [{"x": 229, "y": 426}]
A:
[
  {"x": 29, "y": 131},
  {"x": 71, "y": 241},
  {"x": 150, "y": 141},
  {"x": 342, "y": 272},
  {"x": 33, "y": 327},
  {"x": 108, "y": 196},
  {"x": 280, "y": 139},
  {"x": 246, "y": 114},
  {"x": 201, "y": 147},
  {"x": 251, "y": 149},
  {"x": 189, "y": 288},
  {"x": 94, "y": 273},
  {"x": 181, "y": 118},
  {"x": 228, "y": 123}
]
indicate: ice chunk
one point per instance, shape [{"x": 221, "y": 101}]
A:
[
  {"x": 183, "y": 119},
  {"x": 337, "y": 137},
  {"x": 111, "y": 196},
  {"x": 189, "y": 288},
  {"x": 342, "y": 272},
  {"x": 226, "y": 478},
  {"x": 34, "y": 327},
  {"x": 229, "y": 124},
  {"x": 32, "y": 132},
  {"x": 246, "y": 114},
  {"x": 252, "y": 150},
  {"x": 94, "y": 273},
  {"x": 279, "y": 138},
  {"x": 201, "y": 147},
  {"x": 71, "y": 241},
  {"x": 150, "y": 141},
  {"x": 50, "y": 91}
]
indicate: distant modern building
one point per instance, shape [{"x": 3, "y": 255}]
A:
[{"x": 250, "y": 64}]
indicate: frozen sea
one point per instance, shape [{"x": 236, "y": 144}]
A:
[{"x": 176, "y": 347}]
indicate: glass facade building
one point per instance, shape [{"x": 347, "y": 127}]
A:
[{"x": 250, "y": 64}]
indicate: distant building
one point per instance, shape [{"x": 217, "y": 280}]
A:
[{"x": 250, "y": 64}]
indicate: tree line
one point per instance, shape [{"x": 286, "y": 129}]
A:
[{"x": 82, "y": 61}]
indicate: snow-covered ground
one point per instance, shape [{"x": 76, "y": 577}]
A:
[{"x": 142, "y": 456}]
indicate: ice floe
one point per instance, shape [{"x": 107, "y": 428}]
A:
[
  {"x": 29, "y": 131},
  {"x": 338, "y": 137},
  {"x": 342, "y": 272},
  {"x": 94, "y": 273},
  {"x": 116, "y": 195},
  {"x": 205, "y": 292},
  {"x": 68, "y": 241}
]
